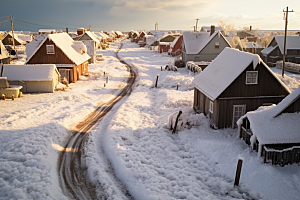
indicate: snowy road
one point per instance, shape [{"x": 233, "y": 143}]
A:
[{"x": 72, "y": 165}]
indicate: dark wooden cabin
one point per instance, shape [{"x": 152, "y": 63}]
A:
[
  {"x": 234, "y": 83},
  {"x": 60, "y": 49},
  {"x": 274, "y": 130}
]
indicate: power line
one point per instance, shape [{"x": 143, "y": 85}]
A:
[{"x": 4, "y": 17}]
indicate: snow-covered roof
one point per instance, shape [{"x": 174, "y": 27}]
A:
[
  {"x": 32, "y": 46},
  {"x": 72, "y": 49},
  {"x": 119, "y": 32},
  {"x": 251, "y": 44},
  {"x": 21, "y": 38},
  {"x": 292, "y": 42},
  {"x": 268, "y": 50},
  {"x": 195, "y": 41},
  {"x": 91, "y": 35},
  {"x": 207, "y": 28},
  {"x": 175, "y": 41},
  {"x": 223, "y": 70},
  {"x": 29, "y": 72},
  {"x": 47, "y": 30},
  {"x": 4, "y": 53},
  {"x": 271, "y": 126}
]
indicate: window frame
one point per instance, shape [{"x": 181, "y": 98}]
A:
[
  {"x": 211, "y": 107},
  {"x": 47, "y": 50},
  {"x": 217, "y": 45},
  {"x": 247, "y": 77}
]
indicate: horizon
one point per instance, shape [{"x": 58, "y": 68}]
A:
[{"x": 32, "y": 15}]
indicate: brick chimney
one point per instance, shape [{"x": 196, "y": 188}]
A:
[
  {"x": 67, "y": 30},
  {"x": 212, "y": 29}
]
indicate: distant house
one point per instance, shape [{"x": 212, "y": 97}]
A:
[
  {"x": 164, "y": 47},
  {"x": 81, "y": 31},
  {"x": 208, "y": 28},
  {"x": 167, "y": 38},
  {"x": 4, "y": 55},
  {"x": 62, "y": 50},
  {"x": 20, "y": 39},
  {"x": 47, "y": 31},
  {"x": 140, "y": 36},
  {"x": 234, "y": 83},
  {"x": 92, "y": 45},
  {"x": 247, "y": 34},
  {"x": 119, "y": 34},
  {"x": 273, "y": 130},
  {"x": 176, "y": 48},
  {"x": 202, "y": 46},
  {"x": 32, "y": 78},
  {"x": 274, "y": 51}
]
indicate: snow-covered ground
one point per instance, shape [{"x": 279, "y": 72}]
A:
[{"x": 195, "y": 163}]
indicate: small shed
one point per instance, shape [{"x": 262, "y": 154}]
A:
[
  {"x": 33, "y": 78},
  {"x": 4, "y": 55},
  {"x": 20, "y": 39},
  {"x": 273, "y": 131},
  {"x": 234, "y": 83}
]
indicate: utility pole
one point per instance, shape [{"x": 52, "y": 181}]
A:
[
  {"x": 12, "y": 30},
  {"x": 196, "y": 23},
  {"x": 285, "y": 33}
]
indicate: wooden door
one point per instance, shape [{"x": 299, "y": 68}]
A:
[{"x": 238, "y": 111}]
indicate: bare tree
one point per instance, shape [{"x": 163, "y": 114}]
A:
[{"x": 226, "y": 26}]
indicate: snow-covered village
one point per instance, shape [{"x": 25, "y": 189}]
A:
[{"x": 124, "y": 100}]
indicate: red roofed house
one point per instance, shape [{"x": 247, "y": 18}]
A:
[{"x": 69, "y": 56}]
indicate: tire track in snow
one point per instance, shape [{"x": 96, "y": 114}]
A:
[{"x": 72, "y": 167}]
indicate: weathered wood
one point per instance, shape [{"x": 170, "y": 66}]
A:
[
  {"x": 156, "y": 80},
  {"x": 174, "y": 129},
  {"x": 3, "y": 96},
  {"x": 238, "y": 172},
  {"x": 107, "y": 79},
  {"x": 177, "y": 85},
  {"x": 12, "y": 97}
]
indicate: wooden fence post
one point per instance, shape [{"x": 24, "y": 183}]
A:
[
  {"x": 177, "y": 85},
  {"x": 107, "y": 79},
  {"x": 12, "y": 97},
  {"x": 3, "y": 96},
  {"x": 238, "y": 172},
  {"x": 160, "y": 68},
  {"x": 174, "y": 129},
  {"x": 104, "y": 74},
  {"x": 156, "y": 80}
]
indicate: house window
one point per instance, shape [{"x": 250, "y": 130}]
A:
[
  {"x": 211, "y": 107},
  {"x": 50, "y": 49},
  {"x": 217, "y": 45},
  {"x": 251, "y": 77}
]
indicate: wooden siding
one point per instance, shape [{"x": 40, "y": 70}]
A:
[
  {"x": 5, "y": 41},
  {"x": 267, "y": 85},
  {"x": 225, "y": 108},
  {"x": 41, "y": 56},
  {"x": 294, "y": 107}
]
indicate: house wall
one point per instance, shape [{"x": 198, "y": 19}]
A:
[
  {"x": 177, "y": 45},
  {"x": 267, "y": 85},
  {"x": 34, "y": 86},
  {"x": 294, "y": 107},
  {"x": 225, "y": 108},
  {"x": 6, "y": 41},
  {"x": 5, "y": 60}
]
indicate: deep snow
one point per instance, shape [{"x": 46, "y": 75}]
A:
[{"x": 195, "y": 163}]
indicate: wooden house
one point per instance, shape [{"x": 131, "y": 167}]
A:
[
  {"x": 274, "y": 130},
  {"x": 4, "y": 55},
  {"x": 175, "y": 47},
  {"x": 20, "y": 39},
  {"x": 81, "y": 31},
  {"x": 92, "y": 43},
  {"x": 202, "y": 46},
  {"x": 62, "y": 50},
  {"x": 167, "y": 38},
  {"x": 32, "y": 78},
  {"x": 164, "y": 47},
  {"x": 274, "y": 51},
  {"x": 47, "y": 31},
  {"x": 119, "y": 34},
  {"x": 247, "y": 34},
  {"x": 234, "y": 83}
]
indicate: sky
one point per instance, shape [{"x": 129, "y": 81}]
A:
[{"x": 126, "y": 15}]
